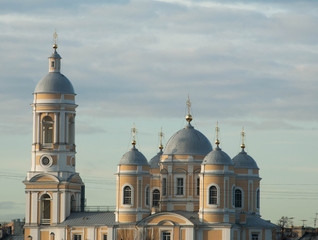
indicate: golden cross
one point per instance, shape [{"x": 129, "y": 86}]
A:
[
  {"x": 134, "y": 131},
  {"x": 189, "y": 104},
  {"x": 217, "y": 129},
  {"x": 243, "y": 135},
  {"x": 161, "y": 134}
]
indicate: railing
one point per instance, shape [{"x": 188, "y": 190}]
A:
[{"x": 95, "y": 209}]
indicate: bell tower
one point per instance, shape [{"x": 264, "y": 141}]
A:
[{"x": 53, "y": 187}]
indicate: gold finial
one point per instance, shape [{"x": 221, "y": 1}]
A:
[
  {"x": 189, "y": 117},
  {"x": 243, "y": 135},
  {"x": 217, "y": 129},
  {"x": 55, "y": 40},
  {"x": 161, "y": 135},
  {"x": 134, "y": 131}
]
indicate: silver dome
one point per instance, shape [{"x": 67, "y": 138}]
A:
[
  {"x": 133, "y": 157},
  {"x": 188, "y": 141},
  {"x": 243, "y": 160},
  {"x": 154, "y": 162},
  {"x": 54, "y": 82},
  {"x": 217, "y": 157}
]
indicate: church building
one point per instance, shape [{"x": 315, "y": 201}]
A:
[{"x": 188, "y": 190}]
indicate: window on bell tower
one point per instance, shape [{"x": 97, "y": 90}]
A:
[
  {"x": 47, "y": 131},
  {"x": 52, "y": 64},
  {"x": 45, "y": 209},
  {"x": 155, "y": 198}
]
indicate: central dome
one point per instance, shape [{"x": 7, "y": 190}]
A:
[{"x": 188, "y": 141}]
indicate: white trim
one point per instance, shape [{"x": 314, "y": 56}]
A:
[
  {"x": 50, "y": 161},
  {"x": 176, "y": 176},
  {"x": 132, "y": 195},
  {"x": 147, "y": 186},
  {"x": 208, "y": 195}
]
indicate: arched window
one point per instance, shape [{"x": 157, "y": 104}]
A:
[
  {"x": 47, "y": 130},
  {"x": 155, "y": 198},
  {"x": 238, "y": 198},
  {"x": 45, "y": 209},
  {"x": 147, "y": 196},
  {"x": 257, "y": 198},
  {"x": 213, "y": 195},
  {"x": 71, "y": 131},
  {"x": 127, "y": 195},
  {"x": 73, "y": 204}
]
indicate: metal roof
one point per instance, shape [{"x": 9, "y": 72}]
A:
[
  {"x": 133, "y": 157},
  {"x": 90, "y": 219},
  {"x": 188, "y": 141},
  {"x": 217, "y": 157},
  {"x": 243, "y": 160},
  {"x": 154, "y": 162},
  {"x": 54, "y": 82}
]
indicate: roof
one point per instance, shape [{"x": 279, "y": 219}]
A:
[
  {"x": 90, "y": 219},
  {"x": 133, "y": 157},
  {"x": 243, "y": 160},
  {"x": 154, "y": 162},
  {"x": 255, "y": 221},
  {"x": 54, "y": 82},
  {"x": 188, "y": 141},
  {"x": 217, "y": 157}
]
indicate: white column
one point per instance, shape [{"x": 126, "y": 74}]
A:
[
  {"x": 56, "y": 127},
  {"x": 66, "y": 128},
  {"x": 62, "y": 127},
  {"x": 63, "y": 210},
  {"x": 34, "y": 126},
  {"x": 27, "y": 207},
  {"x": 56, "y": 203},
  {"x": 38, "y": 127},
  {"x": 35, "y": 208}
]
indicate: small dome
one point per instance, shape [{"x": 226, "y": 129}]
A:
[
  {"x": 243, "y": 160},
  {"x": 217, "y": 157},
  {"x": 188, "y": 141},
  {"x": 154, "y": 162},
  {"x": 133, "y": 157},
  {"x": 54, "y": 82}
]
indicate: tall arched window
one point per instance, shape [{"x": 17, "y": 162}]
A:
[
  {"x": 155, "y": 198},
  {"x": 73, "y": 204},
  {"x": 127, "y": 195},
  {"x": 47, "y": 130},
  {"x": 71, "y": 131},
  {"x": 238, "y": 198},
  {"x": 257, "y": 198},
  {"x": 147, "y": 196},
  {"x": 45, "y": 209},
  {"x": 213, "y": 195}
]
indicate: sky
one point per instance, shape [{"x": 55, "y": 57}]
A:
[{"x": 251, "y": 64}]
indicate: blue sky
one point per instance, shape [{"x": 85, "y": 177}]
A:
[{"x": 243, "y": 63}]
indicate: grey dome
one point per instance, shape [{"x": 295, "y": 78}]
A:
[
  {"x": 243, "y": 160},
  {"x": 188, "y": 141},
  {"x": 154, "y": 162},
  {"x": 217, "y": 157},
  {"x": 54, "y": 82},
  {"x": 133, "y": 157}
]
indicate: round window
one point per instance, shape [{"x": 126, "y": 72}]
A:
[{"x": 45, "y": 161}]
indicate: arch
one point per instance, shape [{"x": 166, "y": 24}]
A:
[
  {"x": 238, "y": 198},
  {"x": 213, "y": 195},
  {"x": 180, "y": 170},
  {"x": 147, "y": 195},
  {"x": 257, "y": 200},
  {"x": 47, "y": 131},
  {"x": 127, "y": 195},
  {"x": 155, "y": 197},
  {"x": 45, "y": 205}
]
